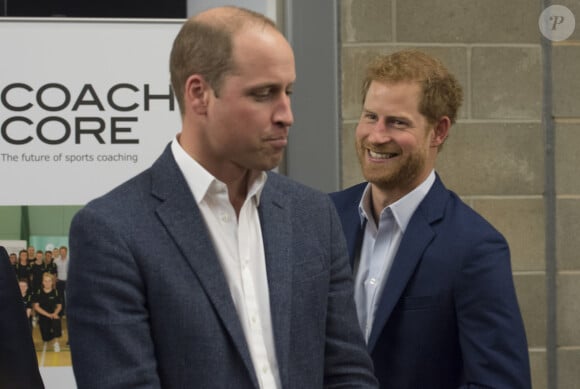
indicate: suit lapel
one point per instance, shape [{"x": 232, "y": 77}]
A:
[
  {"x": 182, "y": 218},
  {"x": 346, "y": 203},
  {"x": 353, "y": 232},
  {"x": 276, "y": 227},
  {"x": 417, "y": 237}
]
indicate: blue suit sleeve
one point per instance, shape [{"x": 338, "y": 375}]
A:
[
  {"x": 491, "y": 330},
  {"x": 109, "y": 331}
]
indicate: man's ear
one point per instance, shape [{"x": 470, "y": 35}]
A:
[
  {"x": 197, "y": 92},
  {"x": 441, "y": 131}
]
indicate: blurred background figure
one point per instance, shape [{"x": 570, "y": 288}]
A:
[{"x": 18, "y": 364}]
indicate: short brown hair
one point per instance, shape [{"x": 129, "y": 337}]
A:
[
  {"x": 204, "y": 46},
  {"x": 441, "y": 94}
]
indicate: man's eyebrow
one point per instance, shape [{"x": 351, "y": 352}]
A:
[{"x": 269, "y": 86}]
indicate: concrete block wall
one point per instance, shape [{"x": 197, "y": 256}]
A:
[
  {"x": 495, "y": 158},
  {"x": 566, "y": 111}
]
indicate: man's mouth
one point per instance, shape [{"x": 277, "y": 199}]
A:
[
  {"x": 279, "y": 142},
  {"x": 376, "y": 155}
]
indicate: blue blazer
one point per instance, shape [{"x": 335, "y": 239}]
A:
[
  {"x": 18, "y": 364},
  {"x": 149, "y": 305},
  {"x": 448, "y": 316}
]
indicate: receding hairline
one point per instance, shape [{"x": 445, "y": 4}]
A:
[{"x": 233, "y": 19}]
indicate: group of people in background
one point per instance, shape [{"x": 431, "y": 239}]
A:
[{"x": 42, "y": 280}]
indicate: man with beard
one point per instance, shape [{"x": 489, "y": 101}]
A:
[{"x": 433, "y": 283}]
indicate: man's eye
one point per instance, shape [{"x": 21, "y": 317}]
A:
[
  {"x": 261, "y": 94},
  {"x": 370, "y": 116},
  {"x": 396, "y": 123}
]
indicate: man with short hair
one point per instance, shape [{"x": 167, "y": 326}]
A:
[
  {"x": 31, "y": 252},
  {"x": 62, "y": 265},
  {"x": 13, "y": 259},
  {"x": 49, "y": 264},
  {"x": 433, "y": 282},
  {"x": 207, "y": 270}
]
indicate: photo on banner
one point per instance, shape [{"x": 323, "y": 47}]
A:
[{"x": 85, "y": 104}]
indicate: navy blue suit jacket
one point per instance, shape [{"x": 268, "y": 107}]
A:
[
  {"x": 18, "y": 364},
  {"x": 149, "y": 305},
  {"x": 448, "y": 316}
]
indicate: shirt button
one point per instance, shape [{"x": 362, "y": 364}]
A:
[
  {"x": 372, "y": 281},
  {"x": 224, "y": 217}
]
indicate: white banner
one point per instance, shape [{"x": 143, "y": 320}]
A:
[
  {"x": 13, "y": 246},
  {"x": 84, "y": 105}
]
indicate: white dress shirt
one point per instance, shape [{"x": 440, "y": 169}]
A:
[
  {"x": 239, "y": 246},
  {"x": 380, "y": 244},
  {"x": 61, "y": 268}
]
